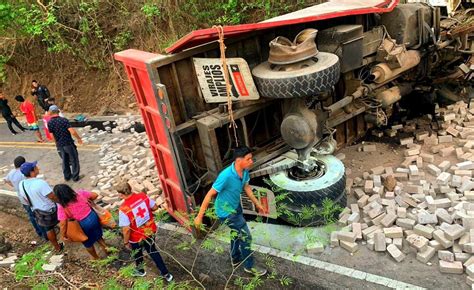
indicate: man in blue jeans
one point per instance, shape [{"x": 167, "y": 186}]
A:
[
  {"x": 13, "y": 178},
  {"x": 228, "y": 186}
]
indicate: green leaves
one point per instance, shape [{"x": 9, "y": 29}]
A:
[
  {"x": 31, "y": 263},
  {"x": 151, "y": 10}
]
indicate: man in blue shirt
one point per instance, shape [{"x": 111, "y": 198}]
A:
[
  {"x": 228, "y": 187},
  {"x": 13, "y": 179}
]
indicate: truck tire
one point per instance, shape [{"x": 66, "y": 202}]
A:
[
  {"x": 301, "y": 193},
  {"x": 291, "y": 212},
  {"x": 310, "y": 78}
]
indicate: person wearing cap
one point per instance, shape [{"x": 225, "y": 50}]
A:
[
  {"x": 7, "y": 114},
  {"x": 62, "y": 133},
  {"x": 41, "y": 199},
  {"x": 28, "y": 109},
  {"x": 13, "y": 178}
]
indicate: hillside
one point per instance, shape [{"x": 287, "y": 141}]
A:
[{"x": 69, "y": 45}]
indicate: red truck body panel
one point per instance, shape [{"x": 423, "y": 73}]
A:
[{"x": 332, "y": 9}]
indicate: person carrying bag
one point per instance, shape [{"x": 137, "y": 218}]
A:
[
  {"x": 72, "y": 230},
  {"x": 39, "y": 196},
  {"x": 77, "y": 219}
]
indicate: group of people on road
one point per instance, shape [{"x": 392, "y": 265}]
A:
[
  {"x": 48, "y": 208},
  {"x": 57, "y": 128}
]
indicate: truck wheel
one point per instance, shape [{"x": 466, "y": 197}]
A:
[
  {"x": 311, "y": 192},
  {"x": 303, "y": 79},
  {"x": 295, "y": 215}
]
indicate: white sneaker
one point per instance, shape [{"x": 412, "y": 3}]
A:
[{"x": 168, "y": 277}]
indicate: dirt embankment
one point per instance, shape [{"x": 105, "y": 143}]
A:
[{"x": 72, "y": 53}]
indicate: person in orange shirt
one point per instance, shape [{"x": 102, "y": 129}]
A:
[{"x": 28, "y": 110}]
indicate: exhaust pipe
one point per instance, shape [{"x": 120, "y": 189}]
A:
[
  {"x": 390, "y": 96},
  {"x": 382, "y": 72}
]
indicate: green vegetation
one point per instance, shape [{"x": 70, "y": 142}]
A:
[{"x": 92, "y": 30}]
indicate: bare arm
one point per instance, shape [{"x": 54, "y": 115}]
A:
[
  {"x": 9, "y": 182},
  {"x": 126, "y": 235},
  {"x": 62, "y": 229},
  {"x": 75, "y": 135},
  {"x": 93, "y": 196},
  {"x": 249, "y": 193},
  {"x": 52, "y": 197},
  {"x": 205, "y": 204}
]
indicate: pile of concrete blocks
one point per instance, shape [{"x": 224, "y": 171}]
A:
[
  {"x": 94, "y": 135},
  {"x": 8, "y": 261},
  {"x": 128, "y": 159},
  {"x": 425, "y": 207},
  {"x": 55, "y": 262}
]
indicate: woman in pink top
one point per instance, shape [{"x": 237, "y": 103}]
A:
[{"x": 76, "y": 205}]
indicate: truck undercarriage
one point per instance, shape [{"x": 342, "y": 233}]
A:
[{"x": 320, "y": 84}]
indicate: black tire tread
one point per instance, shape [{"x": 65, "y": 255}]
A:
[{"x": 300, "y": 86}]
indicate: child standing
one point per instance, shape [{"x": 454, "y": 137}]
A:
[
  {"x": 139, "y": 228},
  {"x": 29, "y": 110}
]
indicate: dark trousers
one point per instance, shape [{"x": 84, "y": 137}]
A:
[
  {"x": 240, "y": 238},
  {"x": 149, "y": 246},
  {"x": 70, "y": 160},
  {"x": 12, "y": 119},
  {"x": 40, "y": 231}
]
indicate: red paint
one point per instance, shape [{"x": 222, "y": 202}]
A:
[
  {"x": 202, "y": 36},
  {"x": 156, "y": 124},
  {"x": 240, "y": 84}
]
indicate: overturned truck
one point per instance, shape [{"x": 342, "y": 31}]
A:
[{"x": 301, "y": 85}]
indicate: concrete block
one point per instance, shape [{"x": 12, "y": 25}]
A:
[
  {"x": 466, "y": 165},
  {"x": 353, "y": 218},
  {"x": 363, "y": 201},
  {"x": 427, "y": 218},
  {"x": 419, "y": 243},
  {"x": 424, "y": 231},
  {"x": 452, "y": 231},
  {"x": 444, "y": 165},
  {"x": 469, "y": 262},
  {"x": 49, "y": 267},
  {"x": 443, "y": 215},
  {"x": 406, "y": 141},
  {"x": 439, "y": 236},
  {"x": 446, "y": 256},
  {"x": 388, "y": 220},
  {"x": 426, "y": 255},
  {"x": 357, "y": 230},
  {"x": 393, "y": 232},
  {"x": 377, "y": 170},
  {"x": 398, "y": 242},
  {"x": 349, "y": 246},
  {"x": 466, "y": 186},
  {"x": 395, "y": 253},
  {"x": 445, "y": 139},
  {"x": 334, "y": 240},
  {"x": 470, "y": 271},
  {"x": 405, "y": 223},
  {"x": 401, "y": 212},
  {"x": 380, "y": 243},
  {"x": 369, "y": 148},
  {"x": 461, "y": 257},
  {"x": 451, "y": 267},
  {"x": 443, "y": 178},
  {"x": 427, "y": 157},
  {"x": 346, "y": 236},
  {"x": 315, "y": 248},
  {"x": 433, "y": 170}
]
